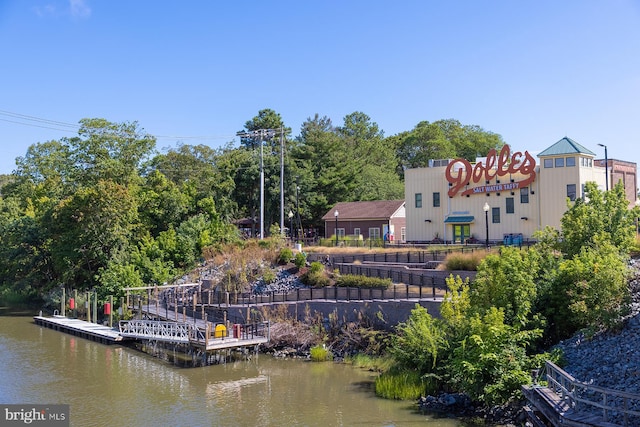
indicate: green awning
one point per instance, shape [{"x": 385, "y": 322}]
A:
[{"x": 466, "y": 219}]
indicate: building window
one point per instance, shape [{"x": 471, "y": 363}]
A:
[
  {"x": 548, "y": 163},
  {"x": 524, "y": 195},
  {"x": 495, "y": 215},
  {"x": 403, "y": 234},
  {"x": 570, "y": 161},
  {"x": 374, "y": 233},
  {"x": 571, "y": 192},
  {"x": 510, "y": 205},
  {"x": 559, "y": 163},
  {"x": 436, "y": 200},
  {"x": 418, "y": 200},
  {"x": 356, "y": 231}
]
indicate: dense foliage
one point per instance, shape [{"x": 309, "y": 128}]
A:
[
  {"x": 490, "y": 333},
  {"x": 104, "y": 210}
]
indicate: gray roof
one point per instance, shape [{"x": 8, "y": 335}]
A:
[{"x": 565, "y": 146}]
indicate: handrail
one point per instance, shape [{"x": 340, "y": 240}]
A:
[{"x": 579, "y": 394}]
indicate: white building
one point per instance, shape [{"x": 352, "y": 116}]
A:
[{"x": 505, "y": 196}]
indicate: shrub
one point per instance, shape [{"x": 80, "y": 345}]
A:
[
  {"x": 300, "y": 260},
  {"x": 315, "y": 279},
  {"x": 269, "y": 276},
  {"x": 316, "y": 267},
  {"x": 356, "y": 281},
  {"x": 463, "y": 261},
  {"x": 285, "y": 255},
  {"x": 319, "y": 353}
]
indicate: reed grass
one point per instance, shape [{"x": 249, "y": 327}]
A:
[
  {"x": 320, "y": 353},
  {"x": 404, "y": 385}
]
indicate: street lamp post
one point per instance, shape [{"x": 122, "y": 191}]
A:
[
  {"x": 336, "y": 215},
  {"x": 606, "y": 167},
  {"x": 486, "y": 208},
  {"x": 290, "y": 215}
]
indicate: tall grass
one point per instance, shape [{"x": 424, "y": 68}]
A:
[
  {"x": 403, "y": 385},
  {"x": 320, "y": 353},
  {"x": 467, "y": 261},
  {"x": 371, "y": 363}
]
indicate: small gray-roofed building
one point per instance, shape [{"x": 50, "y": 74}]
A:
[{"x": 367, "y": 219}]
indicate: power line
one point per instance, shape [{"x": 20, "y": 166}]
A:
[{"x": 73, "y": 128}]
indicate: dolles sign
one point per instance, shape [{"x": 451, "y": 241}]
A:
[{"x": 497, "y": 165}]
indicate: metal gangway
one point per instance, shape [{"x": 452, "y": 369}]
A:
[
  {"x": 160, "y": 330},
  {"x": 566, "y": 401}
]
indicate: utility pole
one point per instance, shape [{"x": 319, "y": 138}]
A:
[
  {"x": 262, "y": 135},
  {"x": 281, "y": 181}
]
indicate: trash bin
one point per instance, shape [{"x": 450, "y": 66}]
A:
[
  {"x": 220, "y": 331},
  {"x": 237, "y": 330},
  {"x": 507, "y": 239},
  {"x": 517, "y": 239}
]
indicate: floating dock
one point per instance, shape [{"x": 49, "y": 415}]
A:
[{"x": 81, "y": 328}]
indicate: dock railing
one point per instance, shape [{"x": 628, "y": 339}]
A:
[{"x": 619, "y": 407}]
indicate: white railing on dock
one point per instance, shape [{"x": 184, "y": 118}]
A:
[{"x": 156, "y": 330}]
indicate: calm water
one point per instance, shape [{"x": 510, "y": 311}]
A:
[{"x": 113, "y": 385}]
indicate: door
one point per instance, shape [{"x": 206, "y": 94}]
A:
[{"x": 461, "y": 232}]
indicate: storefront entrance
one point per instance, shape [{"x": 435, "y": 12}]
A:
[{"x": 461, "y": 232}]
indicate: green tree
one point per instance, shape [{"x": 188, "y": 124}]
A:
[
  {"x": 591, "y": 289},
  {"x": 443, "y": 139},
  {"x": 506, "y": 281},
  {"x": 490, "y": 363},
  {"x": 598, "y": 212},
  {"x": 109, "y": 151},
  {"x": 419, "y": 341},
  {"x": 87, "y": 228},
  {"x": 371, "y": 160}
]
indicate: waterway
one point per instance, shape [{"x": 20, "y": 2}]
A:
[{"x": 115, "y": 385}]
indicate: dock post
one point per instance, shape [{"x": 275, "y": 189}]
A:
[
  {"x": 87, "y": 304},
  {"x": 111, "y": 311},
  {"x": 75, "y": 298},
  {"x": 95, "y": 307},
  {"x": 63, "y": 302}
]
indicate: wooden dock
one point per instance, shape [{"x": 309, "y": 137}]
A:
[{"x": 81, "y": 328}]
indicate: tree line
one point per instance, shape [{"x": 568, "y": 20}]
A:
[{"x": 106, "y": 209}]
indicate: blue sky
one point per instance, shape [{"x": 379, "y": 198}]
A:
[{"x": 196, "y": 71}]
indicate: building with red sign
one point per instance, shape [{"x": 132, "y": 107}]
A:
[{"x": 507, "y": 195}]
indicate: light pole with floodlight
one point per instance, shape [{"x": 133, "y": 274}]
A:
[
  {"x": 486, "y": 208},
  {"x": 336, "y": 215}
]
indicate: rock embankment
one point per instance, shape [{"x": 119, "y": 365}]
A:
[{"x": 610, "y": 359}]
